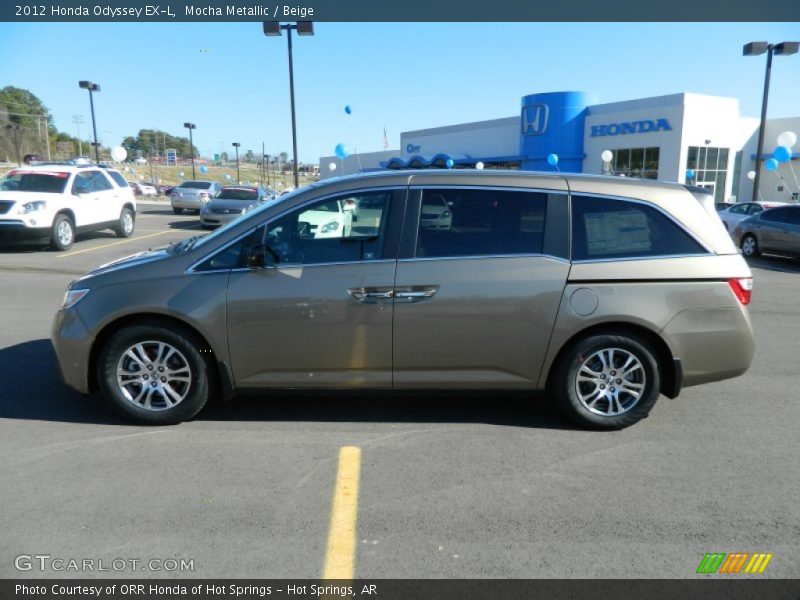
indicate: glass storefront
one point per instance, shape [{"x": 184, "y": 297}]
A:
[
  {"x": 710, "y": 166},
  {"x": 636, "y": 162}
]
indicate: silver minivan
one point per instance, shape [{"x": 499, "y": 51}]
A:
[{"x": 601, "y": 292}]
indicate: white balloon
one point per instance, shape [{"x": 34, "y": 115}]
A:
[
  {"x": 479, "y": 165},
  {"x": 119, "y": 153},
  {"x": 332, "y": 166},
  {"x": 607, "y": 155},
  {"x": 751, "y": 174},
  {"x": 787, "y": 138}
]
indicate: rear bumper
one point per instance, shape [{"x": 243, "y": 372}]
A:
[
  {"x": 188, "y": 203},
  {"x": 713, "y": 344}
]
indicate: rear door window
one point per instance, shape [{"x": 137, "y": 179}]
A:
[
  {"x": 480, "y": 222},
  {"x": 118, "y": 178},
  {"x": 605, "y": 228}
]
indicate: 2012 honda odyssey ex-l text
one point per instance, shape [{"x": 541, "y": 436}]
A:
[{"x": 603, "y": 292}]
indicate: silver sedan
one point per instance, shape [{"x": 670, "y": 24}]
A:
[{"x": 231, "y": 203}]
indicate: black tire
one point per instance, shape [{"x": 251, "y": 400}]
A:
[
  {"x": 607, "y": 414},
  {"x": 195, "y": 394},
  {"x": 58, "y": 241},
  {"x": 750, "y": 251},
  {"x": 124, "y": 228},
  {"x": 177, "y": 211}
]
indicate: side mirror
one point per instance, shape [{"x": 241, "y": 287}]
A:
[{"x": 260, "y": 256}]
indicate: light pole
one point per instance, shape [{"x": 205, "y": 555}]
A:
[
  {"x": 754, "y": 49},
  {"x": 236, "y": 145},
  {"x": 191, "y": 126},
  {"x": 92, "y": 87},
  {"x": 272, "y": 28},
  {"x": 14, "y": 130}
]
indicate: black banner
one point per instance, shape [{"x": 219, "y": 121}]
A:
[
  {"x": 732, "y": 588},
  {"x": 409, "y": 10}
]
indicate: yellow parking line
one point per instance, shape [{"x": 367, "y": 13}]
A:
[
  {"x": 141, "y": 237},
  {"x": 340, "y": 555}
]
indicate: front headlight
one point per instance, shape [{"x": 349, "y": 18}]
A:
[
  {"x": 72, "y": 297},
  {"x": 30, "y": 207},
  {"x": 331, "y": 226}
]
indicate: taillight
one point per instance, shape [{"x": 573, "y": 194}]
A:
[{"x": 742, "y": 288}]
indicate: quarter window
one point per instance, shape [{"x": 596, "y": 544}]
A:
[
  {"x": 464, "y": 222},
  {"x": 605, "y": 228}
]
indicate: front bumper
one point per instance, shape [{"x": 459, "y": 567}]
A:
[
  {"x": 72, "y": 343},
  {"x": 215, "y": 220},
  {"x": 17, "y": 229}
]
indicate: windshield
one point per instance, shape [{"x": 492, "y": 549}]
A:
[
  {"x": 252, "y": 216},
  {"x": 238, "y": 194},
  {"x": 35, "y": 181},
  {"x": 196, "y": 185}
]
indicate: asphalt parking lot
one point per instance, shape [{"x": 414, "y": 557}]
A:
[{"x": 447, "y": 487}]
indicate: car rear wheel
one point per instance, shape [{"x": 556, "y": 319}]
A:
[
  {"x": 153, "y": 375},
  {"x": 607, "y": 381},
  {"x": 177, "y": 211},
  {"x": 124, "y": 228},
  {"x": 750, "y": 246},
  {"x": 63, "y": 235}
]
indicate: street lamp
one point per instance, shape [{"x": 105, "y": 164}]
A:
[
  {"x": 14, "y": 130},
  {"x": 92, "y": 87},
  {"x": 236, "y": 145},
  {"x": 754, "y": 49},
  {"x": 273, "y": 28},
  {"x": 191, "y": 126}
]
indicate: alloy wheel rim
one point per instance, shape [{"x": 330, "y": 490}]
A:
[
  {"x": 610, "y": 382},
  {"x": 127, "y": 222},
  {"x": 153, "y": 375},
  {"x": 64, "y": 233},
  {"x": 748, "y": 246}
]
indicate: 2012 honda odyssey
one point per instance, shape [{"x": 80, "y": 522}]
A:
[{"x": 604, "y": 292}]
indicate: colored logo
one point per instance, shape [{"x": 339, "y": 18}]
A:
[
  {"x": 534, "y": 119},
  {"x": 631, "y": 127},
  {"x": 411, "y": 148},
  {"x": 734, "y": 563}
]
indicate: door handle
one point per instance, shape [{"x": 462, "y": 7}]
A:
[
  {"x": 416, "y": 293},
  {"x": 370, "y": 295}
]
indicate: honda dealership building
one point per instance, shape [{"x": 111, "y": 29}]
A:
[{"x": 654, "y": 138}]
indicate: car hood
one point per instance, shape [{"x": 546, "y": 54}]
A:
[
  {"x": 232, "y": 205},
  {"x": 140, "y": 258},
  {"x": 26, "y": 196}
]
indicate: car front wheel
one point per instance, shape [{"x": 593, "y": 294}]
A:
[
  {"x": 607, "y": 381},
  {"x": 153, "y": 375},
  {"x": 177, "y": 211},
  {"x": 750, "y": 246},
  {"x": 63, "y": 234}
]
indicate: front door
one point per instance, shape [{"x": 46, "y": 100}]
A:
[
  {"x": 322, "y": 316},
  {"x": 476, "y": 302}
]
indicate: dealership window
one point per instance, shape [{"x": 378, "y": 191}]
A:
[
  {"x": 636, "y": 162},
  {"x": 710, "y": 166}
]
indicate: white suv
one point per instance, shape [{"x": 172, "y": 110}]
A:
[{"x": 56, "y": 201}]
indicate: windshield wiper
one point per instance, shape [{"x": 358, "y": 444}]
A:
[{"x": 184, "y": 245}]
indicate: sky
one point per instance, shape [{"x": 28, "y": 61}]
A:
[{"x": 232, "y": 81}]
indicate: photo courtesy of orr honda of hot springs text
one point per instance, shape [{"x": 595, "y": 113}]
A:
[{"x": 600, "y": 293}]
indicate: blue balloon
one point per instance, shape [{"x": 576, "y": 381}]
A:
[
  {"x": 782, "y": 154},
  {"x": 552, "y": 159},
  {"x": 449, "y": 162},
  {"x": 689, "y": 174},
  {"x": 342, "y": 151},
  {"x": 771, "y": 164},
  {"x": 348, "y": 110},
  {"x": 203, "y": 169}
]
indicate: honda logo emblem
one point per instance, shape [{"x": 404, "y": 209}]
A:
[{"x": 534, "y": 119}]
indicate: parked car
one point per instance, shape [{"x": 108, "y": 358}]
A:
[
  {"x": 736, "y": 213},
  {"x": 135, "y": 187},
  {"x": 192, "y": 195},
  {"x": 772, "y": 231},
  {"x": 605, "y": 292},
  {"x": 231, "y": 203},
  {"x": 55, "y": 202},
  {"x": 32, "y": 159},
  {"x": 435, "y": 214},
  {"x": 148, "y": 189}
]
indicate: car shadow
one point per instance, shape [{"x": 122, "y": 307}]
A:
[
  {"x": 780, "y": 264},
  {"x": 36, "y": 392}
]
